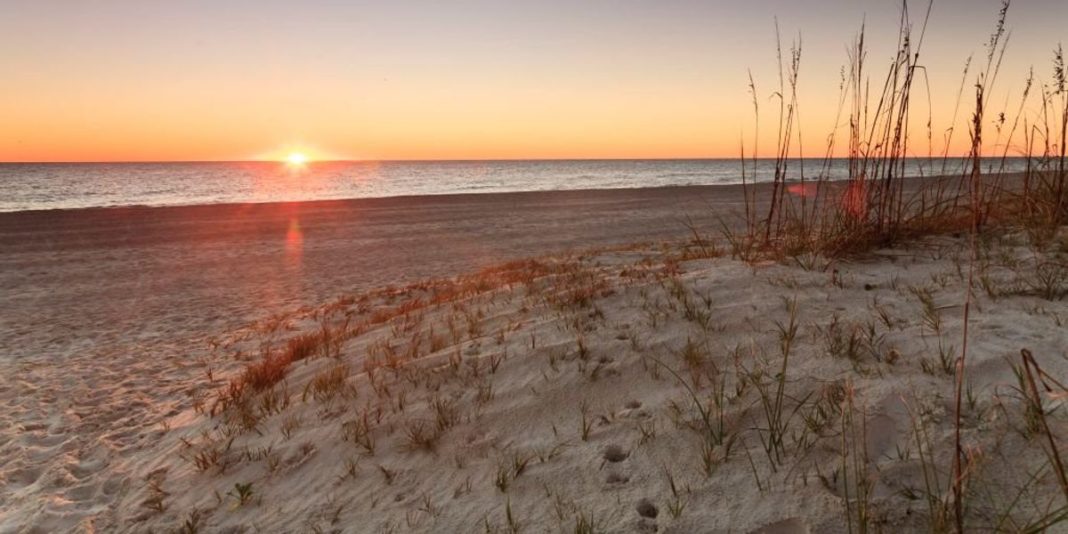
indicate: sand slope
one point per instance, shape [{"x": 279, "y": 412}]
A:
[
  {"x": 553, "y": 394},
  {"x": 627, "y": 389},
  {"x": 105, "y": 313}
]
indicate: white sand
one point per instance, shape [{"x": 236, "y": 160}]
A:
[{"x": 513, "y": 357}]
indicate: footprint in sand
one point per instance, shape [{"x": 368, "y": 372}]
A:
[
  {"x": 81, "y": 493},
  {"x": 648, "y": 512},
  {"x": 25, "y": 476},
  {"x": 647, "y": 509},
  {"x": 615, "y": 454}
]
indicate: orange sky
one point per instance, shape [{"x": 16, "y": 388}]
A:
[{"x": 135, "y": 81}]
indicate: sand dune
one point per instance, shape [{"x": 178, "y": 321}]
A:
[
  {"x": 106, "y": 312},
  {"x": 615, "y": 388}
]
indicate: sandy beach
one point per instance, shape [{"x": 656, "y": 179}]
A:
[
  {"x": 100, "y": 304},
  {"x": 90, "y": 276},
  {"x": 442, "y": 382}
]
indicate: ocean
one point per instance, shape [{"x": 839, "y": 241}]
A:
[{"x": 36, "y": 186}]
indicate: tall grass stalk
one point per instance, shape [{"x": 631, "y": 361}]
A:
[{"x": 985, "y": 81}]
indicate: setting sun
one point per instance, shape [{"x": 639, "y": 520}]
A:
[{"x": 296, "y": 158}]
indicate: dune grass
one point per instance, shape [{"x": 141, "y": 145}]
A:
[{"x": 872, "y": 208}]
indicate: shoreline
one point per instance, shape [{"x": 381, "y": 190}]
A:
[
  {"x": 388, "y": 199},
  {"x": 392, "y": 199}
]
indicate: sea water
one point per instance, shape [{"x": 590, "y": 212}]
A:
[{"x": 33, "y": 186}]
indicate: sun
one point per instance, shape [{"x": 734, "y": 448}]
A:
[{"x": 296, "y": 158}]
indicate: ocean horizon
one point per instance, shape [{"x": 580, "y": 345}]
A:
[{"x": 43, "y": 186}]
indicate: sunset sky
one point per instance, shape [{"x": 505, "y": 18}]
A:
[{"x": 487, "y": 79}]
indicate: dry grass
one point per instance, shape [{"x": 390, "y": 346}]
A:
[{"x": 871, "y": 209}]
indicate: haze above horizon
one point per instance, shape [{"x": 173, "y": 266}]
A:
[{"x": 129, "y": 81}]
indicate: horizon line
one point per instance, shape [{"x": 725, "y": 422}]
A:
[{"x": 462, "y": 160}]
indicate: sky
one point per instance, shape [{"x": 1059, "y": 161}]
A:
[{"x": 115, "y": 80}]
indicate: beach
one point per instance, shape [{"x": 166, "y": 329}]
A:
[
  {"x": 101, "y": 305},
  {"x": 553, "y": 361},
  {"x": 88, "y": 277}
]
